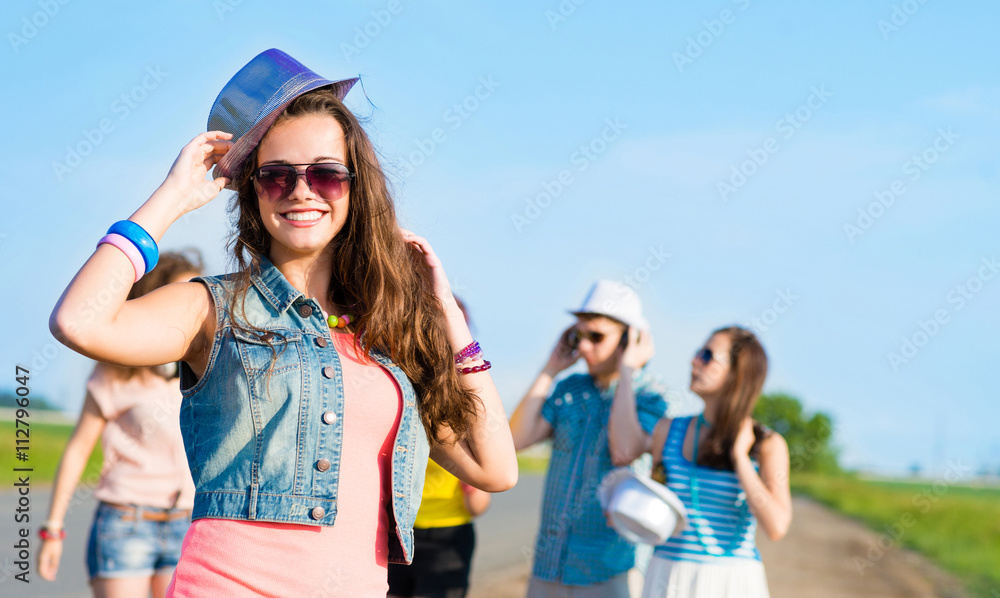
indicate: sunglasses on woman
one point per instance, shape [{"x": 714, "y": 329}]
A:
[
  {"x": 329, "y": 180},
  {"x": 706, "y": 356}
]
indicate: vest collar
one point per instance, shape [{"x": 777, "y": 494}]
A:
[{"x": 273, "y": 285}]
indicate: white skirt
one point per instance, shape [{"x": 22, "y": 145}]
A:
[{"x": 729, "y": 578}]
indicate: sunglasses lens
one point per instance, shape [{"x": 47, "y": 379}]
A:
[
  {"x": 573, "y": 339},
  {"x": 705, "y": 355},
  {"x": 328, "y": 180},
  {"x": 276, "y": 180},
  {"x": 578, "y": 335}
]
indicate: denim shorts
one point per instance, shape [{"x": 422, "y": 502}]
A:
[{"x": 134, "y": 548}]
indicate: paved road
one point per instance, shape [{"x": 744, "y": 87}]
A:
[
  {"x": 71, "y": 582},
  {"x": 506, "y": 538},
  {"x": 815, "y": 560}
]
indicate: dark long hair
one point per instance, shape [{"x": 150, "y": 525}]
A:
[
  {"x": 385, "y": 284},
  {"x": 742, "y": 388}
]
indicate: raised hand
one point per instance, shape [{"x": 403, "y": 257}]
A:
[
  {"x": 439, "y": 280},
  {"x": 186, "y": 179},
  {"x": 744, "y": 439},
  {"x": 563, "y": 355},
  {"x": 639, "y": 349}
]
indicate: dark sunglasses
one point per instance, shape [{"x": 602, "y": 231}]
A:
[
  {"x": 329, "y": 180},
  {"x": 706, "y": 356},
  {"x": 576, "y": 335}
]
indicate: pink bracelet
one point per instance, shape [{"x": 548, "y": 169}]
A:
[
  {"x": 476, "y": 357},
  {"x": 479, "y": 368},
  {"x": 469, "y": 350},
  {"x": 130, "y": 251}
]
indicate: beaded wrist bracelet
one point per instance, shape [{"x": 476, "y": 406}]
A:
[
  {"x": 478, "y": 356},
  {"x": 479, "y": 368},
  {"x": 469, "y": 351},
  {"x": 46, "y": 534}
]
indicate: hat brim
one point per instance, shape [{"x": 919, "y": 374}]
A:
[
  {"x": 641, "y": 325},
  {"x": 611, "y": 479},
  {"x": 231, "y": 163}
]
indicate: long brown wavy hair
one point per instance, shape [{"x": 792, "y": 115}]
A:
[
  {"x": 375, "y": 274},
  {"x": 170, "y": 265},
  {"x": 742, "y": 388}
]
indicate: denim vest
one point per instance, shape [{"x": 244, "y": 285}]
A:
[{"x": 265, "y": 445}]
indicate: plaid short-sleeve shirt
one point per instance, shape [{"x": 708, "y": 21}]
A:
[{"x": 575, "y": 546}]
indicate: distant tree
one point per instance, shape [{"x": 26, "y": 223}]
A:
[
  {"x": 810, "y": 438},
  {"x": 9, "y": 399}
]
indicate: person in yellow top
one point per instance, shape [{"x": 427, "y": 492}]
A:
[
  {"x": 443, "y": 536},
  {"x": 443, "y": 539}
]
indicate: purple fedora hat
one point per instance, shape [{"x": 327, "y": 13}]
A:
[{"x": 252, "y": 100}]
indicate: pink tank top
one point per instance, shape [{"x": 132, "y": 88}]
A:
[{"x": 222, "y": 557}]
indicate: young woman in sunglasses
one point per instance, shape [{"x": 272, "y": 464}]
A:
[
  {"x": 316, "y": 378},
  {"x": 730, "y": 472}
]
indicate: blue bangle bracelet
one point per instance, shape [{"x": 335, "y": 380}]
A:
[{"x": 141, "y": 239}]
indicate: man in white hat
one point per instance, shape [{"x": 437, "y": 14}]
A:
[{"x": 576, "y": 553}]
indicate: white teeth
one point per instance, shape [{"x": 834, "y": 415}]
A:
[{"x": 301, "y": 216}]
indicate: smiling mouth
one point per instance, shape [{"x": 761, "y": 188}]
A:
[{"x": 304, "y": 216}]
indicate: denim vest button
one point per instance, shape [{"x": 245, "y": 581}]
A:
[
  {"x": 320, "y": 341},
  {"x": 305, "y": 311},
  {"x": 329, "y": 417},
  {"x": 329, "y": 371},
  {"x": 267, "y": 336},
  {"x": 317, "y": 513},
  {"x": 323, "y": 464}
]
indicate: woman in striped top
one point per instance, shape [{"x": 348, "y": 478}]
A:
[{"x": 730, "y": 472}]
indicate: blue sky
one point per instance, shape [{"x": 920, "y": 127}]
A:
[{"x": 715, "y": 155}]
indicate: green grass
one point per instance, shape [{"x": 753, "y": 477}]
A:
[
  {"x": 956, "y": 526},
  {"x": 532, "y": 464},
  {"x": 46, "y": 444}
]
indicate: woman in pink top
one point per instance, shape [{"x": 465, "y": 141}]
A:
[
  {"x": 348, "y": 559},
  {"x": 145, "y": 488},
  {"x": 294, "y": 435}
]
